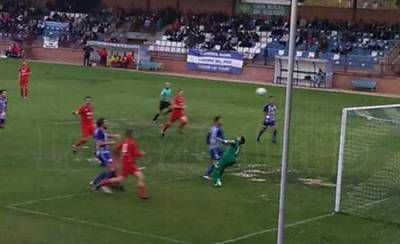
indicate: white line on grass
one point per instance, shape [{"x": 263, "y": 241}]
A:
[
  {"x": 16, "y": 207},
  {"x": 13, "y": 205},
  {"x": 73, "y": 122},
  {"x": 94, "y": 224},
  {"x": 274, "y": 229}
]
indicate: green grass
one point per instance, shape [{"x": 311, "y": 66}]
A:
[{"x": 36, "y": 163}]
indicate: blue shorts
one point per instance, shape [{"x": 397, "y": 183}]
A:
[
  {"x": 269, "y": 123},
  {"x": 216, "y": 153},
  {"x": 2, "y": 121},
  {"x": 104, "y": 158}
]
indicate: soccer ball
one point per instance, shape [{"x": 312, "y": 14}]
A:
[{"x": 261, "y": 91}]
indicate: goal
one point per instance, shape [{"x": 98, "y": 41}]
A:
[{"x": 368, "y": 177}]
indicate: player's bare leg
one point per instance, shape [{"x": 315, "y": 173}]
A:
[
  {"x": 165, "y": 128},
  {"x": 141, "y": 185},
  {"x": 25, "y": 92},
  {"x": 109, "y": 173},
  {"x": 110, "y": 181},
  {"x": 104, "y": 183},
  {"x": 79, "y": 143},
  {"x": 184, "y": 121},
  {"x": 22, "y": 92}
]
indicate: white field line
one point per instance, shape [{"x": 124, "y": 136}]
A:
[
  {"x": 73, "y": 122},
  {"x": 13, "y": 205},
  {"x": 17, "y": 207},
  {"x": 275, "y": 229},
  {"x": 61, "y": 197},
  {"x": 95, "y": 224}
]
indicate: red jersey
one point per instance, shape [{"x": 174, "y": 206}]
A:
[
  {"x": 86, "y": 113},
  {"x": 129, "y": 151},
  {"x": 24, "y": 72},
  {"x": 179, "y": 103}
]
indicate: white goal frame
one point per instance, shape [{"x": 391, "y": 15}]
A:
[{"x": 342, "y": 144}]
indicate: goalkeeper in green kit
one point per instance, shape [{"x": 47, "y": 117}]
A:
[{"x": 228, "y": 159}]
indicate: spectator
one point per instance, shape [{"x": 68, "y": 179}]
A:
[
  {"x": 102, "y": 52},
  {"x": 86, "y": 56},
  {"x": 15, "y": 50}
]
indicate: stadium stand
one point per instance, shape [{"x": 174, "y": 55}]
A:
[
  {"x": 24, "y": 22},
  {"x": 358, "y": 45},
  {"x": 344, "y": 43}
]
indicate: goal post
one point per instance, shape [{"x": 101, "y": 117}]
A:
[{"x": 368, "y": 167}]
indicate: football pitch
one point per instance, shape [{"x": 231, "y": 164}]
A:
[{"x": 44, "y": 191}]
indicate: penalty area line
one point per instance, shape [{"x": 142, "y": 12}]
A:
[
  {"x": 74, "y": 122},
  {"x": 275, "y": 229},
  {"x": 17, "y": 207},
  {"x": 94, "y": 224}
]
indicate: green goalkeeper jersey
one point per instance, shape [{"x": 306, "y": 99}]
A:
[{"x": 232, "y": 151}]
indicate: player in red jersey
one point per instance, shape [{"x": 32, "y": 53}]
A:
[
  {"x": 128, "y": 152},
  {"x": 85, "y": 111},
  {"x": 24, "y": 73},
  {"x": 178, "y": 113}
]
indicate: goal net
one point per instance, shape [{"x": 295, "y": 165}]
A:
[{"x": 368, "y": 179}]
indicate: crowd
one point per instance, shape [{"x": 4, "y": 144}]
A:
[
  {"x": 346, "y": 33},
  {"x": 226, "y": 32},
  {"x": 147, "y": 21},
  {"x": 20, "y": 19},
  {"x": 25, "y": 22},
  {"x": 211, "y": 30}
]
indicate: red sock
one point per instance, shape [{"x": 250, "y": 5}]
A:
[
  {"x": 26, "y": 92},
  {"x": 142, "y": 191},
  {"x": 21, "y": 90},
  {"x": 80, "y": 142}
]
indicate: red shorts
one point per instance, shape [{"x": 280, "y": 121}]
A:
[
  {"x": 23, "y": 82},
  {"x": 176, "y": 115},
  {"x": 129, "y": 168},
  {"x": 87, "y": 130}
]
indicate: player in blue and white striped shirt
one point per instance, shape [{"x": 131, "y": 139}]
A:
[
  {"x": 103, "y": 153},
  {"x": 3, "y": 108},
  {"x": 269, "y": 120},
  {"x": 215, "y": 137}
]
